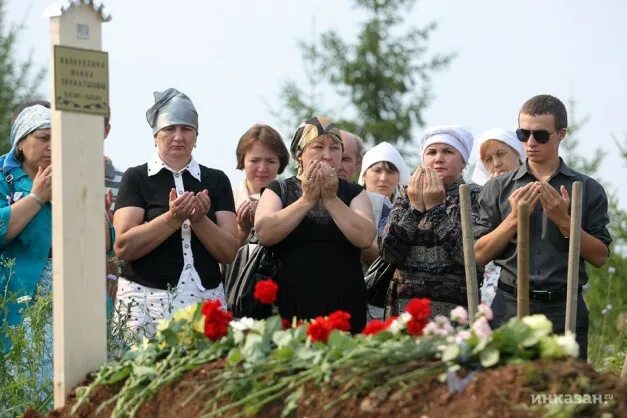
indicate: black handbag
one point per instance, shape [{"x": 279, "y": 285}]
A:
[
  {"x": 378, "y": 280},
  {"x": 261, "y": 262}
]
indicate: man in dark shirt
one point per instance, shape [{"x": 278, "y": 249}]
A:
[{"x": 545, "y": 182}]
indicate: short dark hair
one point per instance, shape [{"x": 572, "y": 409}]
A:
[
  {"x": 269, "y": 137},
  {"x": 545, "y": 104},
  {"x": 24, "y": 105},
  {"x": 386, "y": 164}
]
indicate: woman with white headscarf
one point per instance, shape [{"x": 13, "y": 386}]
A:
[
  {"x": 500, "y": 152},
  {"x": 175, "y": 220},
  {"x": 423, "y": 235},
  {"x": 383, "y": 172}
]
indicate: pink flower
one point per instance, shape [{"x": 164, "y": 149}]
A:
[
  {"x": 481, "y": 327},
  {"x": 462, "y": 336},
  {"x": 459, "y": 315},
  {"x": 486, "y": 311}
]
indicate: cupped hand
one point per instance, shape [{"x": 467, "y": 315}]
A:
[
  {"x": 311, "y": 183},
  {"x": 555, "y": 204},
  {"x": 529, "y": 193},
  {"x": 244, "y": 220},
  {"x": 433, "y": 189},
  {"x": 415, "y": 190},
  {"x": 202, "y": 204},
  {"x": 328, "y": 182},
  {"x": 42, "y": 183},
  {"x": 181, "y": 207}
]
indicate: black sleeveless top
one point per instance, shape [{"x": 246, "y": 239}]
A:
[{"x": 320, "y": 270}]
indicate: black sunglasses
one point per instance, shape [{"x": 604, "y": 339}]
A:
[{"x": 542, "y": 136}]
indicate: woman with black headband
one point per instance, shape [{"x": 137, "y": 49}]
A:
[
  {"x": 319, "y": 233},
  {"x": 175, "y": 220}
]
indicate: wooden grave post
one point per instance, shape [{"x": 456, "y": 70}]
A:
[
  {"x": 469, "y": 251},
  {"x": 80, "y": 98},
  {"x": 574, "y": 250},
  {"x": 522, "y": 249}
]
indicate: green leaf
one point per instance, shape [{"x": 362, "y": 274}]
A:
[
  {"x": 234, "y": 356},
  {"x": 273, "y": 324},
  {"x": 119, "y": 375},
  {"x": 489, "y": 357},
  {"x": 284, "y": 353},
  {"x": 169, "y": 336},
  {"x": 254, "y": 349},
  {"x": 282, "y": 338},
  {"x": 341, "y": 341}
]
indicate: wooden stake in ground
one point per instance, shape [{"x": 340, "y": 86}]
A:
[
  {"x": 522, "y": 250},
  {"x": 80, "y": 96},
  {"x": 574, "y": 247},
  {"x": 469, "y": 251}
]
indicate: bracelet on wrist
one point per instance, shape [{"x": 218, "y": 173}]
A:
[
  {"x": 165, "y": 218},
  {"x": 37, "y": 199}
]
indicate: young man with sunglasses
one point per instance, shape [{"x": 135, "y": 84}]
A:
[{"x": 545, "y": 183}]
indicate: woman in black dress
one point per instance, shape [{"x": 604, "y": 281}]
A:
[{"x": 321, "y": 231}]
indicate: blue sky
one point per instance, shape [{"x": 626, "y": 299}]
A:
[{"x": 232, "y": 57}]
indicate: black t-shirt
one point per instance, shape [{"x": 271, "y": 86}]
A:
[{"x": 163, "y": 265}]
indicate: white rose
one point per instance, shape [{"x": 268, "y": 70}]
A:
[
  {"x": 569, "y": 344},
  {"x": 539, "y": 323}
]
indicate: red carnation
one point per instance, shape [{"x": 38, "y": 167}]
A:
[
  {"x": 319, "y": 329},
  {"x": 415, "y": 326},
  {"x": 340, "y": 320},
  {"x": 419, "y": 308},
  {"x": 389, "y": 321},
  {"x": 265, "y": 291},
  {"x": 286, "y": 323},
  {"x": 216, "y": 319},
  {"x": 374, "y": 327}
]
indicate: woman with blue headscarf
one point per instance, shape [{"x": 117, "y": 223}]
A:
[
  {"x": 174, "y": 220},
  {"x": 25, "y": 210}
]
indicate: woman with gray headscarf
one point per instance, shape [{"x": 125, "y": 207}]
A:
[
  {"x": 174, "y": 219},
  {"x": 319, "y": 231},
  {"x": 423, "y": 236}
]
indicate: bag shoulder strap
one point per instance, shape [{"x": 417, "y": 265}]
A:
[{"x": 9, "y": 179}]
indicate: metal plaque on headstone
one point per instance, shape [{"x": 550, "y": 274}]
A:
[{"x": 81, "y": 80}]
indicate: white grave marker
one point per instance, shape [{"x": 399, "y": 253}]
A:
[{"x": 80, "y": 96}]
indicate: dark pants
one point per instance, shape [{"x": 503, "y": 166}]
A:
[{"x": 504, "y": 307}]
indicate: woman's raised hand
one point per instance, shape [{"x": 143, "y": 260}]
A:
[
  {"x": 246, "y": 215},
  {"x": 415, "y": 190},
  {"x": 181, "y": 207},
  {"x": 433, "y": 189},
  {"x": 42, "y": 183},
  {"x": 328, "y": 182},
  {"x": 311, "y": 183},
  {"x": 202, "y": 204}
]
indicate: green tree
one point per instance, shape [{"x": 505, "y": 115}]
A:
[
  {"x": 19, "y": 80},
  {"x": 606, "y": 298},
  {"x": 385, "y": 77}
]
